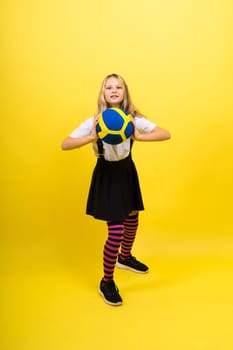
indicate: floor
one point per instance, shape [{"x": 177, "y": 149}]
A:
[{"x": 185, "y": 302}]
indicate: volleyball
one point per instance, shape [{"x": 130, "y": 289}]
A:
[{"x": 114, "y": 126}]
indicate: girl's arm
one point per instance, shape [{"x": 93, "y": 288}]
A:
[
  {"x": 76, "y": 142},
  {"x": 72, "y": 143},
  {"x": 157, "y": 134}
]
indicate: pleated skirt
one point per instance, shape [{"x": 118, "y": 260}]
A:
[{"x": 114, "y": 190}]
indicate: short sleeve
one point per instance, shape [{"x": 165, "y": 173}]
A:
[
  {"x": 83, "y": 129},
  {"x": 144, "y": 125}
]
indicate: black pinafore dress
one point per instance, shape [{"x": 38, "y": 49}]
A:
[{"x": 115, "y": 190}]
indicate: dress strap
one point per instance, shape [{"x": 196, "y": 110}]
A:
[
  {"x": 131, "y": 143},
  {"x": 100, "y": 148}
]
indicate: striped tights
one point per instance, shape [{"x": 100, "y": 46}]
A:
[{"x": 120, "y": 235}]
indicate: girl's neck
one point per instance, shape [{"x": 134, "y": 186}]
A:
[{"x": 114, "y": 105}]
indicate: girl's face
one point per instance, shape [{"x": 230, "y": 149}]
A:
[{"x": 114, "y": 92}]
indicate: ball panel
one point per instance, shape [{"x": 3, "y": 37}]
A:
[
  {"x": 113, "y": 139},
  {"x": 112, "y": 119},
  {"x": 128, "y": 130}
]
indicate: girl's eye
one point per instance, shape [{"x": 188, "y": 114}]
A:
[{"x": 110, "y": 87}]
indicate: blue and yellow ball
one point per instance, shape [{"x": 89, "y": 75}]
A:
[{"x": 114, "y": 126}]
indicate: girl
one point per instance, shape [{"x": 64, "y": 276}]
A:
[{"x": 115, "y": 194}]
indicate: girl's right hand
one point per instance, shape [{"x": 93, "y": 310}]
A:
[
  {"x": 93, "y": 130},
  {"x": 136, "y": 133},
  {"x": 76, "y": 142}
]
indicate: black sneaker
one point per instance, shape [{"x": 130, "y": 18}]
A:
[
  {"x": 109, "y": 292},
  {"x": 132, "y": 264}
]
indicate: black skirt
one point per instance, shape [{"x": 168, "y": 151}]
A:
[{"x": 114, "y": 190}]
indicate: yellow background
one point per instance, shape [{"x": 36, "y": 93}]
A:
[{"x": 176, "y": 57}]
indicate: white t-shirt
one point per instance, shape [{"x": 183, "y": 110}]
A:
[{"x": 113, "y": 152}]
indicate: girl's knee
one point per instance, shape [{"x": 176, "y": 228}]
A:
[{"x": 134, "y": 212}]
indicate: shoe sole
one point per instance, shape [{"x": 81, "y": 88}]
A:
[
  {"x": 125, "y": 267},
  {"x": 109, "y": 302}
]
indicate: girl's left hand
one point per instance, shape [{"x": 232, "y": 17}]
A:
[{"x": 157, "y": 134}]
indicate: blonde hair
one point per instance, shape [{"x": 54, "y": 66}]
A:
[{"x": 127, "y": 103}]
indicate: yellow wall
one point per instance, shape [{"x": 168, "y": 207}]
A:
[
  {"x": 176, "y": 56},
  {"x": 177, "y": 59}
]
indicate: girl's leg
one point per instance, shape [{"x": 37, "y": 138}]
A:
[
  {"x": 125, "y": 259},
  {"x": 107, "y": 288},
  {"x": 130, "y": 230},
  {"x": 111, "y": 248}
]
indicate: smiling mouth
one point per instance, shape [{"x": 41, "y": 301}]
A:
[{"x": 114, "y": 96}]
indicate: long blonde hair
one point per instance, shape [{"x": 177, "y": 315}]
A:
[{"x": 127, "y": 103}]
